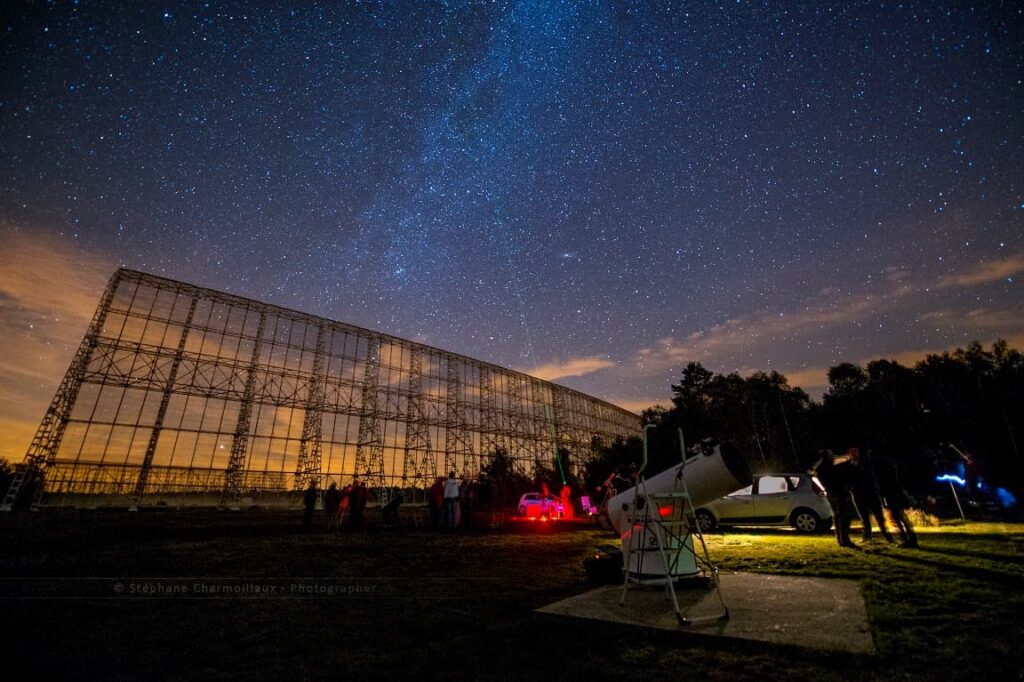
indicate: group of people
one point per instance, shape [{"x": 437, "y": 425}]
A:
[
  {"x": 860, "y": 483},
  {"x": 451, "y": 503},
  {"x": 339, "y": 504}
]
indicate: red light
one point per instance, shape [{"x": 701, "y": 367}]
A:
[{"x": 665, "y": 511}]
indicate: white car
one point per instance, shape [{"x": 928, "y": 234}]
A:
[
  {"x": 796, "y": 500},
  {"x": 536, "y": 505}
]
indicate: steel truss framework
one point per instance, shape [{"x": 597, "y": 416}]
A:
[{"x": 181, "y": 389}]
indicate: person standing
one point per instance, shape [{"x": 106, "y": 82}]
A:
[
  {"x": 332, "y": 501},
  {"x": 460, "y": 519},
  {"x": 309, "y": 504},
  {"x": 357, "y": 504},
  {"x": 895, "y": 498},
  {"x": 435, "y": 499},
  {"x": 451, "y": 501},
  {"x": 565, "y": 497},
  {"x": 833, "y": 474},
  {"x": 865, "y": 494},
  {"x": 347, "y": 493}
]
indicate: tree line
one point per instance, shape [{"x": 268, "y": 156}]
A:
[{"x": 954, "y": 412}]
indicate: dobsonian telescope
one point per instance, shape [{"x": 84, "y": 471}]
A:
[{"x": 714, "y": 470}]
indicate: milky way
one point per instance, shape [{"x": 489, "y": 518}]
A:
[{"x": 595, "y": 192}]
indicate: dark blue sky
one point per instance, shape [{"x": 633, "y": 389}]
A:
[{"x": 597, "y": 191}]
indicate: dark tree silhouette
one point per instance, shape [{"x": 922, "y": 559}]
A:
[{"x": 970, "y": 398}]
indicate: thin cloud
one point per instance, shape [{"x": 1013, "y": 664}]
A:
[
  {"x": 980, "y": 322},
  {"x": 44, "y": 274},
  {"x": 48, "y": 290},
  {"x": 730, "y": 345},
  {"x": 738, "y": 335},
  {"x": 574, "y": 367},
  {"x": 992, "y": 319},
  {"x": 984, "y": 273},
  {"x": 896, "y": 273},
  {"x": 829, "y": 310},
  {"x": 637, "y": 406}
]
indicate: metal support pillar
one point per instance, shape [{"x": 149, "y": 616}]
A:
[
  {"x": 517, "y": 422},
  {"x": 154, "y": 436},
  {"x": 542, "y": 419},
  {"x": 370, "y": 447},
  {"x": 235, "y": 472},
  {"x": 311, "y": 445},
  {"x": 457, "y": 447},
  {"x": 556, "y": 418},
  {"x": 490, "y": 428},
  {"x": 419, "y": 463}
]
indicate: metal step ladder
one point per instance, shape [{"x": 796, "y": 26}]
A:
[
  {"x": 23, "y": 473},
  {"x": 660, "y": 547}
]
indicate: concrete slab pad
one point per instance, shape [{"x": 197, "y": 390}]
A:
[{"x": 816, "y": 613}]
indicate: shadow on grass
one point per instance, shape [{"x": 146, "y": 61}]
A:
[
  {"x": 972, "y": 572},
  {"x": 967, "y": 554}
]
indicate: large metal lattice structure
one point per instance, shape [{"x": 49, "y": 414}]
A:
[{"x": 181, "y": 390}]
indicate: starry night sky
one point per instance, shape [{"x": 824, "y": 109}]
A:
[{"x": 594, "y": 192}]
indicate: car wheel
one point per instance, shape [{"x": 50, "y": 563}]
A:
[
  {"x": 522, "y": 510},
  {"x": 705, "y": 521},
  {"x": 806, "y": 521}
]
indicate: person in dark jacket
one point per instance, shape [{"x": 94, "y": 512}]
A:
[
  {"x": 357, "y": 505},
  {"x": 332, "y": 501},
  {"x": 894, "y": 498},
  {"x": 834, "y": 475},
  {"x": 865, "y": 494},
  {"x": 309, "y": 504}
]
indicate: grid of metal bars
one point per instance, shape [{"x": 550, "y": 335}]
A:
[{"x": 180, "y": 389}]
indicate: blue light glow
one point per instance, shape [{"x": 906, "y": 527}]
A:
[{"x": 1006, "y": 498}]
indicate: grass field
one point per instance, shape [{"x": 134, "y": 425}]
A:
[{"x": 205, "y": 594}]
